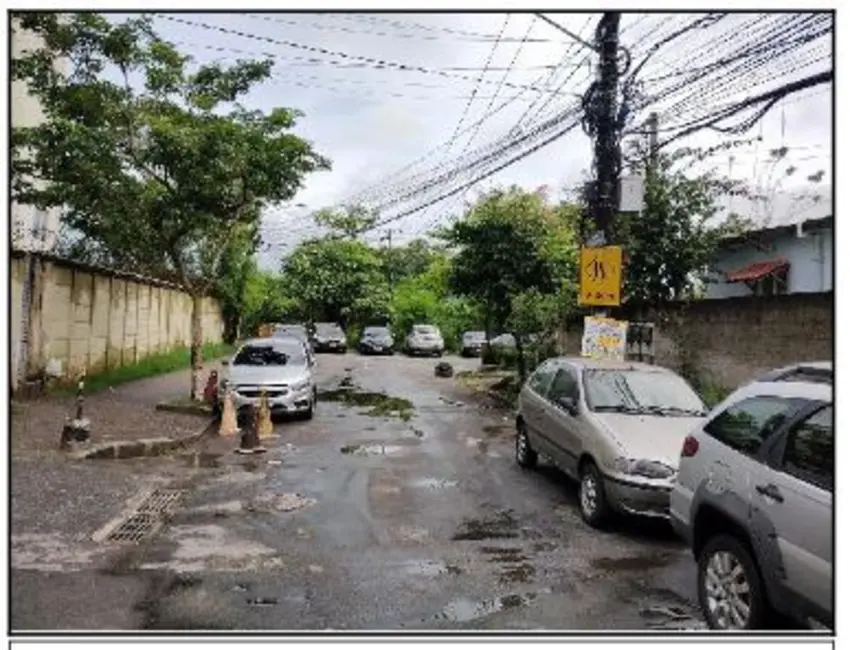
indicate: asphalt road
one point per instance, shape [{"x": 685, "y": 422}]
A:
[{"x": 360, "y": 522}]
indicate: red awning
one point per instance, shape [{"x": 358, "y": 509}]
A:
[{"x": 757, "y": 271}]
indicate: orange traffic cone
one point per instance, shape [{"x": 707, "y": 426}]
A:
[
  {"x": 265, "y": 428},
  {"x": 229, "y": 426}
]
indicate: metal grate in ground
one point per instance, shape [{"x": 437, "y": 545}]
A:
[{"x": 147, "y": 518}]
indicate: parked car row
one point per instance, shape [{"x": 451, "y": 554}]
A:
[
  {"x": 423, "y": 339},
  {"x": 748, "y": 483}
]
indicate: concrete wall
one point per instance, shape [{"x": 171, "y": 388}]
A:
[
  {"x": 730, "y": 341},
  {"x": 90, "y": 319},
  {"x": 810, "y": 269}
]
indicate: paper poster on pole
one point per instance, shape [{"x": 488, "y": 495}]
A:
[{"x": 604, "y": 338}]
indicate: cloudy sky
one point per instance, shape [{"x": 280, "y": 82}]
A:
[{"x": 383, "y": 91}]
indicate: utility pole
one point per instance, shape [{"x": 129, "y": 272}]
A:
[{"x": 607, "y": 148}]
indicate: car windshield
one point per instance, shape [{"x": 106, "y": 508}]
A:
[
  {"x": 267, "y": 354},
  {"x": 328, "y": 329},
  {"x": 425, "y": 330},
  {"x": 376, "y": 332},
  {"x": 289, "y": 330},
  {"x": 641, "y": 391},
  {"x": 474, "y": 336}
]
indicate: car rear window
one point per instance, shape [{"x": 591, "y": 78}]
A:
[{"x": 746, "y": 425}]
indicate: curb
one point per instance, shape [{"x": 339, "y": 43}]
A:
[
  {"x": 201, "y": 410},
  {"x": 123, "y": 449}
]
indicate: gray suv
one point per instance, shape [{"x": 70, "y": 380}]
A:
[{"x": 753, "y": 498}]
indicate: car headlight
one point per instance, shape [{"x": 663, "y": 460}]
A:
[
  {"x": 643, "y": 467},
  {"x": 301, "y": 385}
]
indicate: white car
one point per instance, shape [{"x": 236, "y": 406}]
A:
[
  {"x": 280, "y": 366},
  {"x": 425, "y": 340}
]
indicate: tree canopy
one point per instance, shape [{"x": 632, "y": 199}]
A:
[{"x": 154, "y": 160}]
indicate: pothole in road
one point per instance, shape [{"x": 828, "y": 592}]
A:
[
  {"x": 504, "y": 554},
  {"x": 500, "y": 526},
  {"x": 631, "y": 563},
  {"x": 288, "y": 502},
  {"x": 433, "y": 483},
  {"x": 464, "y": 610},
  {"x": 430, "y": 568},
  {"x": 372, "y": 450},
  {"x": 381, "y": 404}
]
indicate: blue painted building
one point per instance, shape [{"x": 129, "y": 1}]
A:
[{"x": 794, "y": 257}]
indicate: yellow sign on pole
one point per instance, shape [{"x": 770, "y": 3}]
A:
[{"x": 601, "y": 271}]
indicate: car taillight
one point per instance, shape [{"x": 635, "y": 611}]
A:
[{"x": 690, "y": 447}]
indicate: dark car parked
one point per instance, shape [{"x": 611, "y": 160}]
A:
[
  {"x": 472, "y": 343},
  {"x": 376, "y": 340},
  {"x": 329, "y": 337}
]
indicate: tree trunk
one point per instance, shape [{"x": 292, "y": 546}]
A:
[
  {"x": 197, "y": 349},
  {"x": 520, "y": 359}
]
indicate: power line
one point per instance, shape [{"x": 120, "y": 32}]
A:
[
  {"x": 558, "y": 26},
  {"x": 379, "y": 63},
  {"x": 478, "y": 82}
]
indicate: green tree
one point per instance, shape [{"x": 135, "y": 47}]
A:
[
  {"x": 402, "y": 262},
  {"x": 511, "y": 242},
  {"x": 339, "y": 280},
  {"x": 348, "y": 222},
  {"x": 237, "y": 269},
  {"x": 671, "y": 245},
  {"x": 154, "y": 160}
]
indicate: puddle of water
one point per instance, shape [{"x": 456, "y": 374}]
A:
[
  {"x": 504, "y": 554},
  {"x": 430, "y": 568},
  {"x": 634, "y": 563},
  {"x": 464, "y": 610},
  {"x": 377, "y": 449},
  {"x": 517, "y": 574},
  {"x": 432, "y": 483},
  {"x": 500, "y": 526},
  {"x": 381, "y": 404},
  {"x": 202, "y": 460}
]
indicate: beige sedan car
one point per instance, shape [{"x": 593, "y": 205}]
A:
[{"x": 615, "y": 427}]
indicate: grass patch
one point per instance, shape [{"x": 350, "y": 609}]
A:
[
  {"x": 156, "y": 364},
  {"x": 382, "y": 405}
]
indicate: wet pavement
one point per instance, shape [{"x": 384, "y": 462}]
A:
[{"x": 376, "y": 516}]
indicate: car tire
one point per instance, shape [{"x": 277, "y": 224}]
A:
[
  {"x": 727, "y": 554},
  {"x": 592, "y": 501},
  {"x": 525, "y": 456}
]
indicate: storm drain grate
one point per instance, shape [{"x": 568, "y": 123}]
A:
[{"x": 146, "y": 518}]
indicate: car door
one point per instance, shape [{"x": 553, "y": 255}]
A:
[
  {"x": 794, "y": 493},
  {"x": 533, "y": 403},
  {"x": 561, "y": 427},
  {"x": 733, "y": 449}
]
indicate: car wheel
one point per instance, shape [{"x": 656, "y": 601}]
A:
[
  {"x": 593, "y": 503},
  {"x": 730, "y": 589},
  {"x": 525, "y": 456}
]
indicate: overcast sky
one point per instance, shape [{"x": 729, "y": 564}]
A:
[{"x": 370, "y": 122}]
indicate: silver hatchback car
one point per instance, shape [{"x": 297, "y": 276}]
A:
[
  {"x": 754, "y": 499},
  {"x": 616, "y": 427}
]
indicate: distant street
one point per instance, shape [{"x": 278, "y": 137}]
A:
[{"x": 353, "y": 521}]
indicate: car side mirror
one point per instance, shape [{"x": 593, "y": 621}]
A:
[{"x": 569, "y": 404}]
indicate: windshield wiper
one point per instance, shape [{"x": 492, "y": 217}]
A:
[
  {"x": 617, "y": 408},
  {"x": 680, "y": 411}
]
